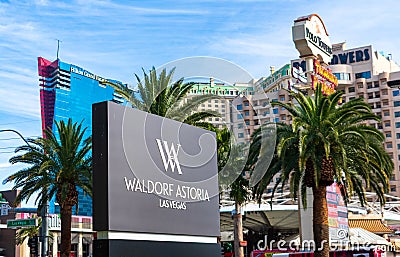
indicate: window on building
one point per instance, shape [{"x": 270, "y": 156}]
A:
[
  {"x": 396, "y": 92},
  {"x": 397, "y": 124},
  {"x": 387, "y": 123},
  {"x": 360, "y": 85},
  {"x": 396, "y": 103},
  {"x": 397, "y": 114},
  {"x": 397, "y": 135},
  {"x": 385, "y": 102},
  {"x": 209, "y": 105},
  {"x": 365, "y": 74},
  {"x": 275, "y": 111},
  {"x": 377, "y": 94},
  {"x": 392, "y": 188},
  {"x": 246, "y": 113},
  {"x": 376, "y": 84},
  {"x": 361, "y": 96},
  {"x": 384, "y": 92},
  {"x": 342, "y": 76},
  {"x": 386, "y": 113},
  {"x": 389, "y": 145},
  {"x": 240, "y": 126},
  {"x": 282, "y": 98},
  {"x": 240, "y": 135},
  {"x": 239, "y": 107},
  {"x": 247, "y": 122},
  {"x": 378, "y": 105},
  {"x": 264, "y": 104},
  {"x": 239, "y": 116},
  {"x": 246, "y": 103},
  {"x": 388, "y": 134},
  {"x": 276, "y": 119},
  {"x": 370, "y": 95},
  {"x": 352, "y": 89},
  {"x": 369, "y": 85}
]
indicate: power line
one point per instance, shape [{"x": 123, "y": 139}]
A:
[
  {"x": 18, "y": 122},
  {"x": 14, "y": 138}
]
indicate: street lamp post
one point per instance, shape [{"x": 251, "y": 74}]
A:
[{"x": 44, "y": 212}]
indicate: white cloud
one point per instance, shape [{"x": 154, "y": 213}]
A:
[{"x": 5, "y": 165}]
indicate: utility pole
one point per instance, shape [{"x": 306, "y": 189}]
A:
[{"x": 45, "y": 229}]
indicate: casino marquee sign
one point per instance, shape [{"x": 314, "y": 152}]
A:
[{"x": 155, "y": 185}]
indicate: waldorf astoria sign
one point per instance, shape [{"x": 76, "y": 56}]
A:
[{"x": 155, "y": 186}]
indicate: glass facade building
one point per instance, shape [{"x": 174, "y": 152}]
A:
[{"x": 68, "y": 91}]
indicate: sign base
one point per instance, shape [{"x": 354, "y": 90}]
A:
[{"x": 132, "y": 248}]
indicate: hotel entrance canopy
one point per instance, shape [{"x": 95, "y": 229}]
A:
[{"x": 261, "y": 217}]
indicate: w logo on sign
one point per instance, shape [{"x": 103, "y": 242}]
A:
[{"x": 169, "y": 155}]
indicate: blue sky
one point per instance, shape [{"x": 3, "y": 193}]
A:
[{"x": 115, "y": 39}]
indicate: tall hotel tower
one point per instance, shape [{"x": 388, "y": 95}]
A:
[{"x": 68, "y": 91}]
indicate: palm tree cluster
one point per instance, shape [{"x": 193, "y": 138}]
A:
[{"x": 327, "y": 142}]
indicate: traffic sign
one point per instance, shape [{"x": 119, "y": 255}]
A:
[{"x": 22, "y": 223}]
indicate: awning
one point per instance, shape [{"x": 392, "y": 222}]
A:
[
  {"x": 372, "y": 225},
  {"x": 261, "y": 217},
  {"x": 362, "y": 236}
]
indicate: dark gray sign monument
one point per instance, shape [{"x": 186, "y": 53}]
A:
[{"x": 155, "y": 186}]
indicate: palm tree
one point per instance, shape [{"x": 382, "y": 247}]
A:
[
  {"x": 159, "y": 95},
  {"x": 240, "y": 193},
  {"x": 56, "y": 166},
  {"x": 329, "y": 142},
  {"x": 231, "y": 164}
]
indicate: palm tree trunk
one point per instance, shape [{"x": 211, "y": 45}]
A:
[
  {"x": 320, "y": 222},
  {"x": 238, "y": 231},
  {"x": 66, "y": 217}
]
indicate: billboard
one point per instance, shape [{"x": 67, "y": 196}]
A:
[
  {"x": 152, "y": 174},
  {"x": 311, "y": 37},
  {"x": 337, "y": 214}
]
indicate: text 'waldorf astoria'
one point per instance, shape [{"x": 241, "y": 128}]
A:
[{"x": 167, "y": 190}]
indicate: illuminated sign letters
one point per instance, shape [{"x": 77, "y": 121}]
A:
[
  {"x": 85, "y": 73},
  {"x": 322, "y": 76}
]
